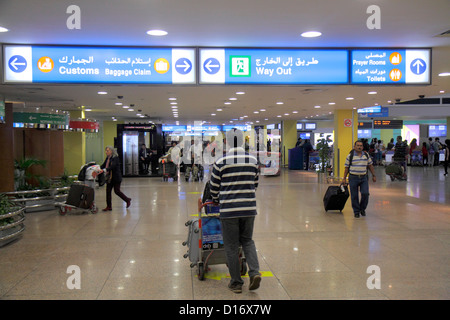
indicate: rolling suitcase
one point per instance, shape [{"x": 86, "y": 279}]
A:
[
  {"x": 80, "y": 196},
  {"x": 335, "y": 198}
]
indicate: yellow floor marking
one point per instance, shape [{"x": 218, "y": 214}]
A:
[{"x": 214, "y": 275}]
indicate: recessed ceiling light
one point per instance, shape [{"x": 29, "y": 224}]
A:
[
  {"x": 102, "y": 92},
  {"x": 3, "y": 29},
  {"x": 372, "y": 92},
  {"x": 213, "y": 114},
  {"x": 232, "y": 99},
  {"x": 118, "y": 103},
  {"x": 294, "y": 111},
  {"x": 317, "y": 107},
  {"x": 349, "y": 98},
  {"x": 262, "y": 110},
  {"x": 279, "y": 102},
  {"x": 331, "y": 103},
  {"x": 255, "y": 111},
  {"x": 227, "y": 102},
  {"x": 172, "y": 99},
  {"x": 87, "y": 109},
  {"x": 157, "y": 33},
  {"x": 240, "y": 92},
  {"x": 444, "y": 74},
  {"x": 130, "y": 109},
  {"x": 219, "y": 109},
  {"x": 311, "y": 34},
  {"x": 125, "y": 107}
]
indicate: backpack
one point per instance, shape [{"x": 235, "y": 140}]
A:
[{"x": 352, "y": 153}]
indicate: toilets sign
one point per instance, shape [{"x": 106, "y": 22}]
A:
[
  {"x": 70, "y": 64},
  {"x": 390, "y": 66}
]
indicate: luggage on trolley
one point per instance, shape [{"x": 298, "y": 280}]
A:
[
  {"x": 80, "y": 197},
  {"x": 335, "y": 197},
  {"x": 396, "y": 171},
  {"x": 205, "y": 240},
  {"x": 168, "y": 169}
]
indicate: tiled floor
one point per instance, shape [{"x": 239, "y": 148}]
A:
[{"x": 304, "y": 252}]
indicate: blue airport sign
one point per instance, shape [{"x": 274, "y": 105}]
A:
[
  {"x": 70, "y": 64},
  {"x": 274, "y": 66}
]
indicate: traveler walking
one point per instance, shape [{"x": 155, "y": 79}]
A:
[
  {"x": 446, "y": 156},
  {"x": 356, "y": 165},
  {"x": 234, "y": 180},
  {"x": 111, "y": 167}
]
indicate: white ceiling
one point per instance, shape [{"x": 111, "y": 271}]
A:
[{"x": 226, "y": 23}]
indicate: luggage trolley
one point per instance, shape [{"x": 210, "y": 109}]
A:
[
  {"x": 205, "y": 241},
  {"x": 80, "y": 198}
]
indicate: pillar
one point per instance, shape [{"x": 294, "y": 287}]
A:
[
  {"x": 448, "y": 127},
  {"x": 288, "y": 138},
  {"x": 74, "y": 147},
  {"x": 7, "y": 154},
  {"x": 345, "y": 134}
]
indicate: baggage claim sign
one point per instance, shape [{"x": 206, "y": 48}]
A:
[
  {"x": 64, "y": 64},
  {"x": 274, "y": 66}
]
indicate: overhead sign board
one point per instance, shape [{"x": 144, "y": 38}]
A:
[
  {"x": 70, "y": 64},
  {"x": 273, "y": 66},
  {"x": 387, "y": 124},
  {"x": 41, "y": 118},
  {"x": 390, "y": 66}
]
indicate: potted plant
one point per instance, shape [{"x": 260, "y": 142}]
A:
[
  {"x": 323, "y": 149},
  {"x": 11, "y": 220}
]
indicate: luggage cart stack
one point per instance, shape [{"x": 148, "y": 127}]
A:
[{"x": 205, "y": 240}]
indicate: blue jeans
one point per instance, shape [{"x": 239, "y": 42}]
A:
[
  {"x": 236, "y": 232},
  {"x": 359, "y": 184}
]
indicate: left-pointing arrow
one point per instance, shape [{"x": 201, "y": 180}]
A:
[{"x": 14, "y": 64}]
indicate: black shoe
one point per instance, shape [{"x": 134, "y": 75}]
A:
[
  {"x": 356, "y": 215},
  {"x": 235, "y": 288},
  {"x": 254, "y": 282},
  {"x": 363, "y": 213}
]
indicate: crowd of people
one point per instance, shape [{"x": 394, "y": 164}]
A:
[{"x": 428, "y": 152}]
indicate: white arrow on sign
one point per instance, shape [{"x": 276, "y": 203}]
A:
[
  {"x": 209, "y": 66},
  {"x": 418, "y": 64},
  {"x": 14, "y": 63},
  {"x": 186, "y": 66}
]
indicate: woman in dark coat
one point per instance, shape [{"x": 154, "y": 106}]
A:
[{"x": 111, "y": 167}]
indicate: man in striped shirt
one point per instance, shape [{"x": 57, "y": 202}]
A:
[
  {"x": 234, "y": 180},
  {"x": 356, "y": 165}
]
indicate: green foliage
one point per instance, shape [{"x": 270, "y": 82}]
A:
[
  {"x": 324, "y": 154},
  {"x": 6, "y": 206}
]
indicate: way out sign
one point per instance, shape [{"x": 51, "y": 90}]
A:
[{"x": 348, "y": 123}]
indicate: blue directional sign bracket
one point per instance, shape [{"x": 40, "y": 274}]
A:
[
  {"x": 418, "y": 66},
  {"x": 17, "y": 63},
  {"x": 183, "y": 66},
  {"x": 211, "y": 65}
]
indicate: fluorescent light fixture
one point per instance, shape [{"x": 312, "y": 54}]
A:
[
  {"x": 130, "y": 109},
  {"x": 118, "y": 103},
  {"x": 280, "y": 102},
  {"x": 102, "y": 92},
  {"x": 157, "y": 33},
  {"x": 3, "y": 29},
  {"x": 87, "y": 109},
  {"x": 372, "y": 92},
  {"x": 349, "y": 98},
  {"x": 219, "y": 109},
  {"x": 317, "y": 107},
  {"x": 331, "y": 103},
  {"x": 311, "y": 34},
  {"x": 444, "y": 74},
  {"x": 240, "y": 92}
]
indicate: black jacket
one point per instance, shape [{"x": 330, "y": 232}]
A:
[{"x": 113, "y": 170}]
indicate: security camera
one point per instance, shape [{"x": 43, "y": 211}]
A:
[
  {"x": 119, "y": 97},
  {"x": 398, "y": 100},
  {"x": 421, "y": 96}
]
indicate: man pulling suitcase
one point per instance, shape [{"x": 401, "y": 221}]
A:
[{"x": 356, "y": 165}]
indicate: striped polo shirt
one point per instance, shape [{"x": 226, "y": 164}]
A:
[
  {"x": 234, "y": 180},
  {"x": 359, "y": 163}
]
